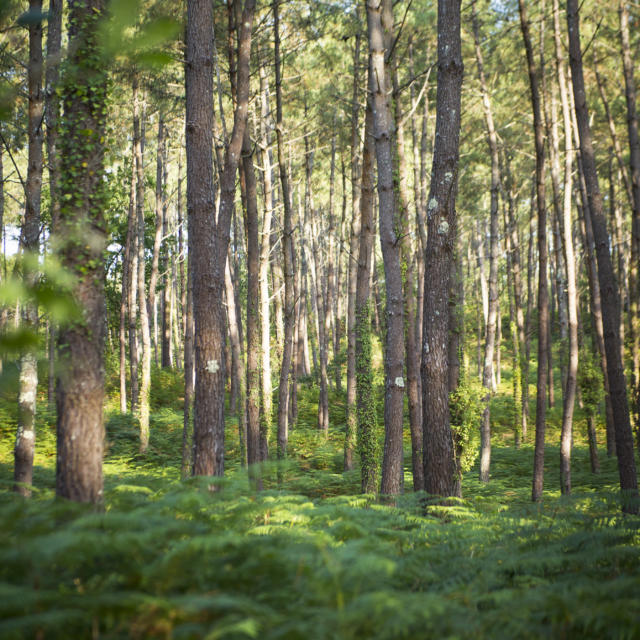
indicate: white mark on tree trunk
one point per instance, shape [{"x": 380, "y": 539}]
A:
[
  {"x": 399, "y": 381},
  {"x": 213, "y": 366}
]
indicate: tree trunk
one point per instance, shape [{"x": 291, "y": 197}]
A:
[
  {"x": 210, "y": 236},
  {"x": 80, "y": 389},
  {"x": 28, "y": 379},
  {"x": 287, "y": 251},
  {"x": 608, "y": 288},
  {"x": 543, "y": 294},
  {"x": 365, "y": 399},
  {"x": 492, "y": 311},
  {"x": 439, "y": 461},
  {"x": 145, "y": 364},
  {"x": 566, "y": 437},
  {"x": 166, "y": 257},
  {"x": 634, "y": 164},
  {"x": 380, "y": 30}
]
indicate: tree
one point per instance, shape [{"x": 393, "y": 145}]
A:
[
  {"x": 380, "y": 30},
  {"x": 439, "y": 460},
  {"x": 210, "y": 234},
  {"x": 28, "y": 381},
  {"x": 81, "y": 237},
  {"x": 606, "y": 278}
]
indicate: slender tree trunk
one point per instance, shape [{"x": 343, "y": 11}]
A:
[
  {"x": 569, "y": 260},
  {"x": 132, "y": 283},
  {"x": 365, "y": 399},
  {"x": 634, "y": 164},
  {"x": 52, "y": 116},
  {"x": 439, "y": 460},
  {"x": 380, "y": 30},
  {"x": 129, "y": 249},
  {"x": 28, "y": 380},
  {"x": 412, "y": 353},
  {"x": 492, "y": 311},
  {"x": 80, "y": 388},
  {"x": 608, "y": 289},
  {"x": 265, "y": 247},
  {"x": 187, "y": 433},
  {"x": 287, "y": 251},
  {"x": 166, "y": 257},
  {"x": 543, "y": 294},
  {"x": 352, "y": 268},
  {"x": 145, "y": 364}
]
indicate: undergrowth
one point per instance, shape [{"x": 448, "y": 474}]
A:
[{"x": 165, "y": 558}]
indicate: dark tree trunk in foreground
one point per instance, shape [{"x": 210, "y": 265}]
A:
[
  {"x": 210, "y": 237},
  {"x": 439, "y": 459},
  {"x": 28, "y": 380},
  {"x": 608, "y": 288},
  {"x": 80, "y": 391},
  {"x": 543, "y": 293},
  {"x": 380, "y": 28}
]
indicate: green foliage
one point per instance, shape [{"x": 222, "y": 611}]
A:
[{"x": 466, "y": 407}]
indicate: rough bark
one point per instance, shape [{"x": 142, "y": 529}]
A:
[
  {"x": 608, "y": 288},
  {"x": 380, "y": 30},
  {"x": 439, "y": 460},
  {"x": 80, "y": 389}
]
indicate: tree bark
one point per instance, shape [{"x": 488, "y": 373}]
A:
[
  {"x": 380, "y": 30},
  {"x": 287, "y": 251},
  {"x": 80, "y": 389},
  {"x": 543, "y": 294},
  {"x": 634, "y": 164},
  {"x": 28, "y": 379},
  {"x": 608, "y": 289},
  {"x": 439, "y": 459}
]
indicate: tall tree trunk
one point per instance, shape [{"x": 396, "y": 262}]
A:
[
  {"x": 233, "y": 312},
  {"x": 253, "y": 312},
  {"x": 352, "y": 267},
  {"x": 210, "y": 236},
  {"x": 52, "y": 116},
  {"x": 608, "y": 289},
  {"x": 80, "y": 389},
  {"x": 634, "y": 164},
  {"x": 187, "y": 435},
  {"x": 145, "y": 364},
  {"x": 569, "y": 259},
  {"x": 287, "y": 251},
  {"x": 166, "y": 257},
  {"x": 439, "y": 461},
  {"x": 127, "y": 262},
  {"x": 543, "y": 294},
  {"x": 492, "y": 311},
  {"x": 365, "y": 399},
  {"x": 412, "y": 353},
  {"x": 28, "y": 380},
  {"x": 380, "y": 30},
  {"x": 265, "y": 248}
]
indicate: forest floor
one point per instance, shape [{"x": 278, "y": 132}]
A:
[{"x": 166, "y": 558}]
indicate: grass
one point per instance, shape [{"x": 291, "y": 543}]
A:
[{"x": 170, "y": 559}]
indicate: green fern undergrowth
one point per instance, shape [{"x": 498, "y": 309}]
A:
[{"x": 166, "y": 558}]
